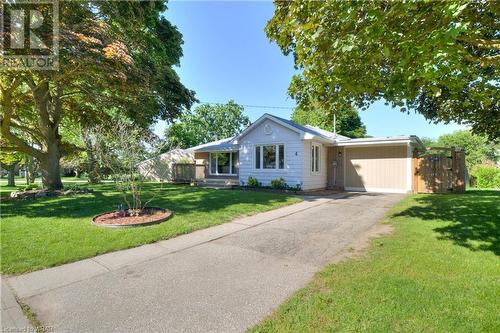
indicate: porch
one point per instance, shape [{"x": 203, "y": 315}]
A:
[{"x": 217, "y": 169}]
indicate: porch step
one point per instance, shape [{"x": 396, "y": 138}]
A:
[{"x": 217, "y": 183}]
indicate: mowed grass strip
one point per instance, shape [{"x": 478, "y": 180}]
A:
[
  {"x": 438, "y": 272},
  {"x": 46, "y": 232}
]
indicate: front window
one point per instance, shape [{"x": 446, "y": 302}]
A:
[
  {"x": 315, "y": 157},
  {"x": 270, "y": 157},
  {"x": 257, "y": 157},
  {"x": 234, "y": 163},
  {"x": 281, "y": 156},
  {"x": 224, "y": 163}
]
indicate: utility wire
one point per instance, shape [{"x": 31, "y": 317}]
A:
[{"x": 257, "y": 106}]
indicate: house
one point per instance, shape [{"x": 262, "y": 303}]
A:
[
  {"x": 160, "y": 167},
  {"x": 273, "y": 148}
]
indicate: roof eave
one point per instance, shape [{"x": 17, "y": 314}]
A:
[{"x": 395, "y": 141}]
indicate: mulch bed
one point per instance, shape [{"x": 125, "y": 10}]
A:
[{"x": 148, "y": 216}]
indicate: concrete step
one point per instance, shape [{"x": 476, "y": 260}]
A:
[{"x": 217, "y": 182}]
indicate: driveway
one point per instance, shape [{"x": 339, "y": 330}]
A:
[{"x": 222, "y": 279}]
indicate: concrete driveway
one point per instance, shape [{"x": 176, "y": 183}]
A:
[{"x": 221, "y": 279}]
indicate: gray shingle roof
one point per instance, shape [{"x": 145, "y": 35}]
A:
[
  {"x": 219, "y": 145},
  {"x": 229, "y": 144}
]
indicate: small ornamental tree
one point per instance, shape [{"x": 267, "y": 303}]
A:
[{"x": 120, "y": 148}]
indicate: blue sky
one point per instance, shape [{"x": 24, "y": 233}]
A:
[{"x": 228, "y": 56}]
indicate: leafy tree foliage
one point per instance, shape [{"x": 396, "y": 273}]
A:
[
  {"x": 205, "y": 124},
  {"x": 116, "y": 58},
  {"x": 9, "y": 161},
  {"x": 439, "y": 58},
  {"x": 478, "y": 149},
  {"x": 348, "y": 122}
]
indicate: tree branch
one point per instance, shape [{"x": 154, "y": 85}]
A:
[{"x": 493, "y": 44}]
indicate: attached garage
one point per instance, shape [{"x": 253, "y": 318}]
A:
[{"x": 374, "y": 164}]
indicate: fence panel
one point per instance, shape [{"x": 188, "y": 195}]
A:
[
  {"x": 183, "y": 173},
  {"x": 439, "y": 173}
]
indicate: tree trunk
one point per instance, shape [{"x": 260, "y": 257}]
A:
[
  {"x": 28, "y": 165},
  {"x": 11, "y": 174},
  {"x": 50, "y": 166}
]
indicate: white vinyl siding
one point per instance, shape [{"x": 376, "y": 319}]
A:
[
  {"x": 314, "y": 179},
  {"x": 292, "y": 157}
]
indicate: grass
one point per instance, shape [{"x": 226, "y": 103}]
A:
[
  {"x": 21, "y": 184},
  {"x": 46, "y": 232},
  {"x": 438, "y": 272}
]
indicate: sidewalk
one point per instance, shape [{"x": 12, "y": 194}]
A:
[{"x": 12, "y": 317}]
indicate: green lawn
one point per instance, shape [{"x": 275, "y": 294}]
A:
[
  {"x": 438, "y": 272},
  {"x": 21, "y": 184},
  {"x": 46, "y": 232}
]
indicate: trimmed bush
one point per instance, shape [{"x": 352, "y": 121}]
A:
[
  {"x": 486, "y": 176},
  {"x": 279, "y": 184},
  {"x": 253, "y": 182}
]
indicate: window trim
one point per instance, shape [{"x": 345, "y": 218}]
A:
[
  {"x": 315, "y": 157},
  {"x": 216, "y": 163},
  {"x": 261, "y": 155}
]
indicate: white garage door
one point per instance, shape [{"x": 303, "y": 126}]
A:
[{"x": 378, "y": 169}]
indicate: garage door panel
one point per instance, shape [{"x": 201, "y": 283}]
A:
[{"x": 376, "y": 167}]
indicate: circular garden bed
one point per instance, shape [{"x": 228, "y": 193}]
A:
[{"x": 123, "y": 219}]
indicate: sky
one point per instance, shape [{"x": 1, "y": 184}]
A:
[{"x": 228, "y": 56}]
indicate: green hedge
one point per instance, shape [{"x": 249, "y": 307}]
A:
[{"x": 486, "y": 176}]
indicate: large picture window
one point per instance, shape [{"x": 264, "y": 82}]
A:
[
  {"x": 224, "y": 163},
  {"x": 315, "y": 158},
  {"x": 270, "y": 157}
]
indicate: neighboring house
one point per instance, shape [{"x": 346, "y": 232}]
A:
[
  {"x": 160, "y": 167},
  {"x": 273, "y": 148}
]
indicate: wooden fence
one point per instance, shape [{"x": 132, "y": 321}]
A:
[
  {"x": 439, "y": 173},
  {"x": 183, "y": 173}
]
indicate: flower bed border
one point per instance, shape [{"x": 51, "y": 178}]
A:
[{"x": 163, "y": 219}]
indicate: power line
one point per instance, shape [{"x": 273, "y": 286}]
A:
[{"x": 257, "y": 106}]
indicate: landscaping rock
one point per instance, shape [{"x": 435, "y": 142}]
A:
[{"x": 47, "y": 193}]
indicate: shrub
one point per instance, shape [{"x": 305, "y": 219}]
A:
[
  {"x": 279, "y": 184},
  {"x": 31, "y": 187},
  {"x": 253, "y": 182},
  {"x": 487, "y": 176}
]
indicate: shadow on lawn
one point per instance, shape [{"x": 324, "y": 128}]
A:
[
  {"x": 180, "y": 199},
  {"x": 474, "y": 218}
]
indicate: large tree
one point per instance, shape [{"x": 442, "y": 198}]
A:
[
  {"x": 115, "y": 57},
  {"x": 206, "y": 123},
  {"x": 439, "y": 58},
  {"x": 478, "y": 149},
  {"x": 348, "y": 122}
]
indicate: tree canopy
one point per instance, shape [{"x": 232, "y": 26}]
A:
[
  {"x": 438, "y": 58},
  {"x": 206, "y": 123},
  {"x": 478, "y": 149},
  {"x": 115, "y": 58},
  {"x": 348, "y": 122}
]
